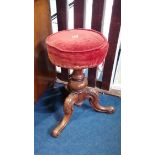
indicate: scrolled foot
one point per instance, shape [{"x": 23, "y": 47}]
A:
[
  {"x": 93, "y": 96},
  {"x": 106, "y": 109},
  {"x": 55, "y": 133},
  {"x": 68, "y": 109}
]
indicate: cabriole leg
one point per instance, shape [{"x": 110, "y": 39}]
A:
[
  {"x": 94, "y": 101},
  {"x": 68, "y": 109}
]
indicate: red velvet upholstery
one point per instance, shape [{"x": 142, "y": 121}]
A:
[{"x": 77, "y": 48}]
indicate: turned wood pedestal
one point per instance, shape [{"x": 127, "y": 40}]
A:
[{"x": 79, "y": 91}]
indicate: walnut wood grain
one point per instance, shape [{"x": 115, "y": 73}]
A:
[
  {"x": 79, "y": 92},
  {"x": 68, "y": 109}
]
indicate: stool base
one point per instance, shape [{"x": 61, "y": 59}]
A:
[{"x": 77, "y": 96}]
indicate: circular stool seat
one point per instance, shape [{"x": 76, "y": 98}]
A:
[{"x": 77, "y": 48}]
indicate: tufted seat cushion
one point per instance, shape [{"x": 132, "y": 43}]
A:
[{"x": 77, "y": 48}]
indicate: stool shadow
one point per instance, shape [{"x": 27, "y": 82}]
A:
[{"x": 51, "y": 103}]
